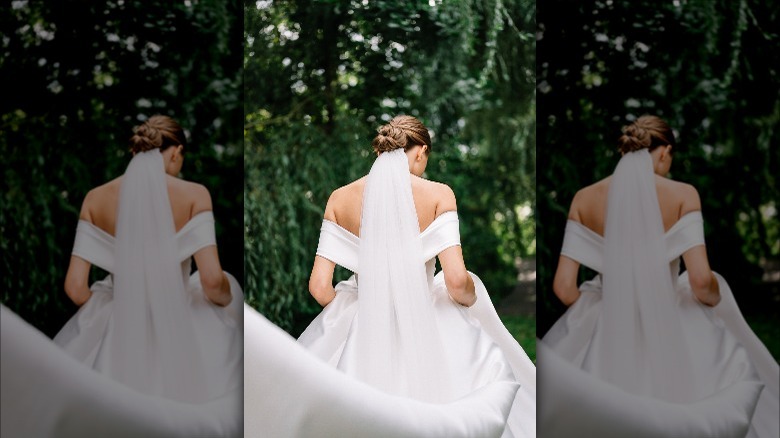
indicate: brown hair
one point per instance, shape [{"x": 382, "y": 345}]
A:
[
  {"x": 645, "y": 132},
  {"x": 157, "y": 132},
  {"x": 402, "y": 132}
]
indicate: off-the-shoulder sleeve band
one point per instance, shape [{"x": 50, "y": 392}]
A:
[
  {"x": 443, "y": 233},
  {"x": 338, "y": 245},
  {"x": 94, "y": 245},
  {"x": 687, "y": 233},
  {"x": 197, "y": 234},
  {"x": 583, "y": 246}
]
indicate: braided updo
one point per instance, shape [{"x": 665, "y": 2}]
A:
[
  {"x": 402, "y": 132},
  {"x": 645, "y": 132},
  {"x": 157, "y": 132}
]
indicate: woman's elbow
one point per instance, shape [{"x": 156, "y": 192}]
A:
[
  {"x": 214, "y": 287},
  {"x": 566, "y": 292},
  {"x": 704, "y": 287},
  {"x": 456, "y": 281},
  {"x": 318, "y": 289},
  {"x": 211, "y": 280},
  {"x": 77, "y": 291},
  {"x": 700, "y": 281},
  {"x": 458, "y": 285}
]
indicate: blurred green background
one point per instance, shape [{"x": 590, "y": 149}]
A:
[
  {"x": 711, "y": 69},
  {"x": 321, "y": 76},
  {"x": 76, "y": 77}
]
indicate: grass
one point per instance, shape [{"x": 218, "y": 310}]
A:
[{"x": 523, "y": 328}]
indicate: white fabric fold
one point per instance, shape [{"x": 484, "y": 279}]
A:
[{"x": 289, "y": 393}]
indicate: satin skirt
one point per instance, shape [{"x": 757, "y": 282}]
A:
[
  {"x": 478, "y": 348},
  {"x": 735, "y": 392},
  {"x": 218, "y": 332},
  {"x": 44, "y": 392},
  {"x": 60, "y": 389},
  {"x": 290, "y": 393}
]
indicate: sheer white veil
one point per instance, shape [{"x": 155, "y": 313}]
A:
[
  {"x": 398, "y": 331},
  {"x": 644, "y": 350},
  {"x": 153, "y": 336}
]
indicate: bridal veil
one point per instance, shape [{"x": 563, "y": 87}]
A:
[{"x": 398, "y": 336}]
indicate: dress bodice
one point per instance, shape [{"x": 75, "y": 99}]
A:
[
  {"x": 587, "y": 247},
  {"x": 97, "y": 246},
  {"x": 341, "y": 246}
]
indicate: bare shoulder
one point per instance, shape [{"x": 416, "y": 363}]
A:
[
  {"x": 447, "y": 199},
  {"x": 442, "y": 194},
  {"x": 690, "y": 198},
  {"x": 596, "y": 189},
  {"x": 200, "y": 196},
  {"x": 342, "y": 195},
  {"x": 586, "y": 196},
  {"x": 195, "y": 194},
  {"x": 97, "y": 197},
  {"x": 349, "y": 189}
]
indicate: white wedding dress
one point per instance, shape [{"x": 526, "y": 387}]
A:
[
  {"x": 290, "y": 393},
  {"x": 147, "y": 354},
  {"x": 637, "y": 355},
  {"x": 393, "y": 325}
]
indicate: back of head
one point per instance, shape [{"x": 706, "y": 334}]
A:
[
  {"x": 157, "y": 132},
  {"x": 402, "y": 132},
  {"x": 645, "y": 132}
]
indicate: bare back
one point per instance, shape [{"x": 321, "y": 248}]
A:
[
  {"x": 187, "y": 199},
  {"x": 430, "y": 200},
  {"x": 589, "y": 206}
]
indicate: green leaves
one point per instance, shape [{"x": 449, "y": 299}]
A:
[
  {"x": 322, "y": 76},
  {"x": 75, "y": 92},
  {"x": 692, "y": 63}
]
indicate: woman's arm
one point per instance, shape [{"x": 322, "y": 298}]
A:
[
  {"x": 76, "y": 281},
  {"x": 703, "y": 282},
  {"x": 459, "y": 283},
  {"x": 215, "y": 284},
  {"x": 321, "y": 281},
  {"x": 321, "y": 278},
  {"x": 77, "y": 278},
  {"x": 565, "y": 281}
]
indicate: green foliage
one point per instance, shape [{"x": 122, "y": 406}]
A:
[
  {"x": 75, "y": 84},
  {"x": 767, "y": 329},
  {"x": 523, "y": 328},
  {"x": 710, "y": 68},
  {"x": 321, "y": 76}
]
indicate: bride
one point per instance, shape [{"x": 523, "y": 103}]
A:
[
  {"x": 643, "y": 351},
  {"x": 430, "y": 348},
  {"x": 167, "y": 345}
]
